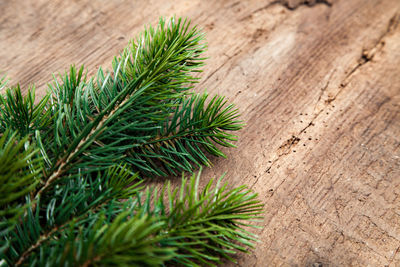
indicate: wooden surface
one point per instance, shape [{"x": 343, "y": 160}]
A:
[{"x": 318, "y": 85}]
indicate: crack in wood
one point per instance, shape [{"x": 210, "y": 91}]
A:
[
  {"x": 293, "y": 5},
  {"x": 323, "y": 89},
  {"x": 367, "y": 56},
  {"x": 290, "y": 5}
]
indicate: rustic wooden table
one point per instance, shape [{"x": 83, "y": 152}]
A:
[{"x": 318, "y": 85}]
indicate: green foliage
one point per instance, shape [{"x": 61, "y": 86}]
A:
[
  {"x": 205, "y": 225},
  {"x": 175, "y": 226},
  {"x": 72, "y": 202},
  {"x": 179, "y": 141},
  {"x": 72, "y": 164},
  {"x": 98, "y": 121},
  {"x": 20, "y": 171},
  {"x": 20, "y": 113}
]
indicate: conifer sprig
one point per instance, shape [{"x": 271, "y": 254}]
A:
[
  {"x": 179, "y": 143},
  {"x": 20, "y": 172},
  {"x": 183, "y": 226},
  {"x": 67, "y": 161},
  {"x": 96, "y": 122}
]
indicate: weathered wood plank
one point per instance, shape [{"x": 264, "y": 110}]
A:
[{"x": 318, "y": 85}]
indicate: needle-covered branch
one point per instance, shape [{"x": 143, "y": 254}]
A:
[
  {"x": 183, "y": 226},
  {"x": 181, "y": 140},
  {"x": 72, "y": 163}
]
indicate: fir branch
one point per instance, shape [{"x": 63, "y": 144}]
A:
[
  {"x": 193, "y": 126},
  {"x": 20, "y": 172},
  {"x": 77, "y": 152},
  {"x": 183, "y": 226},
  {"x": 71, "y": 201},
  {"x": 163, "y": 61},
  {"x": 21, "y": 114},
  {"x": 207, "y": 225}
]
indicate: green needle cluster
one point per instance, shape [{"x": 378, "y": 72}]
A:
[{"x": 72, "y": 164}]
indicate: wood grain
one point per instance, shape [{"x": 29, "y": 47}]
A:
[{"x": 317, "y": 82}]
